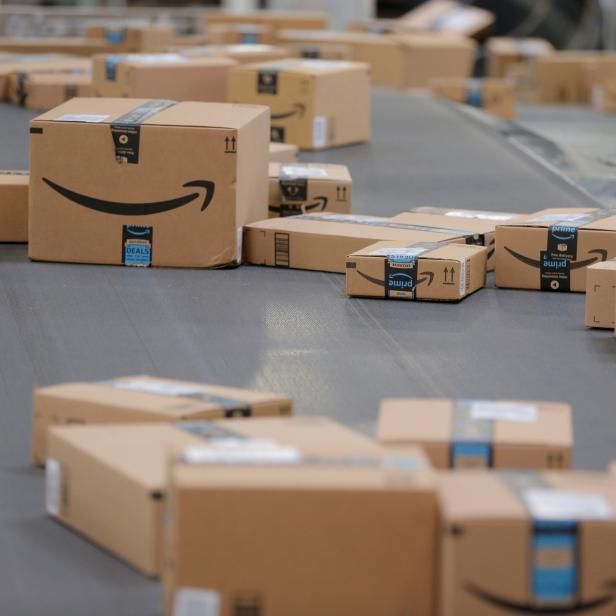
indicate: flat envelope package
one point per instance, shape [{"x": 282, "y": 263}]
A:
[
  {"x": 141, "y": 399},
  {"x": 551, "y": 249},
  {"x": 109, "y": 482},
  {"x": 527, "y": 542},
  {"x": 168, "y": 75},
  {"x": 322, "y": 242},
  {"x": 315, "y": 104},
  {"x": 269, "y": 530},
  {"x": 601, "y": 294},
  {"x": 116, "y": 181},
  {"x": 148, "y": 39},
  {"x": 309, "y": 187},
  {"x": 242, "y": 54},
  {"x": 41, "y": 90},
  {"x": 14, "y": 206},
  {"x": 464, "y": 434},
  {"x": 504, "y": 53},
  {"x": 422, "y": 271},
  {"x": 282, "y": 152}
]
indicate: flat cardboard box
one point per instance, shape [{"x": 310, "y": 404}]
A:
[
  {"x": 42, "y": 91},
  {"x": 242, "y": 54},
  {"x": 327, "y": 535},
  {"x": 527, "y": 542},
  {"x": 322, "y": 242},
  {"x": 116, "y": 181},
  {"x": 465, "y": 434},
  {"x": 282, "y": 152},
  {"x": 276, "y": 20},
  {"x": 141, "y": 399},
  {"x": 563, "y": 77},
  {"x": 550, "y": 250},
  {"x": 109, "y": 482},
  {"x": 495, "y": 96},
  {"x": 601, "y": 294},
  {"x": 315, "y": 104},
  {"x": 239, "y": 34},
  {"x": 145, "y": 39},
  {"x": 171, "y": 76},
  {"x": 304, "y": 188},
  {"x": 76, "y": 46},
  {"x": 503, "y": 53},
  {"x": 14, "y": 206},
  {"x": 422, "y": 271}
]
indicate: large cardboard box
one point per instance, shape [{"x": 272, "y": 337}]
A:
[
  {"x": 309, "y": 187},
  {"x": 322, "y": 242},
  {"x": 242, "y": 54},
  {"x": 109, "y": 482},
  {"x": 601, "y": 294},
  {"x": 141, "y": 399},
  {"x": 14, "y": 206},
  {"x": 41, "y": 90},
  {"x": 282, "y": 152},
  {"x": 504, "y": 53},
  {"x": 551, "y": 249},
  {"x": 239, "y": 34},
  {"x": 276, "y": 20},
  {"x": 147, "y": 39},
  {"x": 117, "y": 181},
  {"x": 168, "y": 75},
  {"x": 422, "y": 271},
  {"x": 76, "y": 46},
  {"x": 563, "y": 77},
  {"x": 527, "y": 542},
  {"x": 315, "y": 104},
  {"x": 463, "y": 434},
  {"x": 282, "y": 534}
]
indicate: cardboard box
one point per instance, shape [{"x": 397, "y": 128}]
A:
[
  {"x": 76, "y": 46},
  {"x": 282, "y": 152},
  {"x": 140, "y": 399},
  {"x": 463, "y": 434},
  {"x": 601, "y": 294},
  {"x": 496, "y": 96},
  {"x": 242, "y": 54},
  {"x": 146, "y": 39},
  {"x": 189, "y": 40},
  {"x": 42, "y": 91},
  {"x": 117, "y": 181},
  {"x": 276, "y": 20},
  {"x": 171, "y": 76},
  {"x": 602, "y": 76},
  {"x": 527, "y": 542},
  {"x": 315, "y": 104},
  {"x": 503, "y": 53},
  {"x": 563, "y": 77},
  {"x": 260, "y": 537},
  {"x": 14, "y": 206},
  {"x": 322, "y": 242},
  {"x": 422, "y": 271},
  {"x": 309, "y": 187},
  {"x": 551, "y": 249},
  {"x": 109, "y": 482},
  {"x": 239, "y": 34}
]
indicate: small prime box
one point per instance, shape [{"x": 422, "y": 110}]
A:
[
  {"x": 14, "y": 187},
  {"x": 242, "y": 54},
  {"x": 563, "y": 77},
  {"x": 461, "y": 434},
  {"x": 239, "y": 34},
  {"x": 504, "y": 53},
  {"x": 550, "y": 250},
  {"x": 314, "y": 104},
  {"x": 527, "y": 542},
  {"x": 425, "y": 271},
  {"x": 109, "y": 482},
  {"x": 603, "y": 83},
  {"x": 273, "y": 19},
  {"x": 147, "y": 39},
  {"x": 165, "y": 75},
  {"x": 260, "y": 535},
  {"x": 282, "y": 152},
  {"x": 601, "y": 294},
  {"x": 304, "y": 188},
  {"x": 322, "y": 242},
  {"x": 116, "y": 181},
  {"x": 496, "y": 96},
  {"x": 140, "y": 399}
]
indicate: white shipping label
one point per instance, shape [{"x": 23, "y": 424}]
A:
[
  {"x": 562, "y": 505},
  {"x": 319, "y": 132},
  {"x": 504, "y": 411},
  {"x": 462, "y": 277},
  {"x": 558, "y": 217},
  {"x": 239, "y": 239},
  {"x": 161, "y": 388},
  {"x": 81, "y": 117},
  {"x": 410, "y": 251},
  {"x": 242, "y": 451},
  {"x": 299, "y": 171},
  {"x": 52, "y": 487},
  {"x": 477, "y": 215},
  {"x": 457, "y": 20},
  {"x": 196, "y": 602},
  {"x": 324, "y": 63}
]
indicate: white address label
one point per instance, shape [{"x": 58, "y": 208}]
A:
[
  {"x": 504, "y": 411},
  {"x": 81, "y": 117},
  {"x": 161, "y": 388},
  {"x": 563, "y": 505},
  {"x": 319, "y": 132},
  {"x": 196, "y": 602},
  {"x": 52, "y": 487}
]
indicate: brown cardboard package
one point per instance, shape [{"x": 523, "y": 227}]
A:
[
  {"x": 14, "y": 206},
  {"x": 172, "y": 76},
  {"x": 422, "y": 271},
  {"x": 563, "y": 77},
  {"x": 465, "y": 434},
  {"x": 117, "y": 181},
  {"x": 282, "y": 533},
  {"x": 527, "y": 542},
  {"x": 189, "y": 40},
  {"x": 315, "y": 104},
  {"x": 139, "y": 399},
  {"x": 551, "y": 249},
  {"x": 42, "y": 91},
  {"x": 504, "y": 53},
  {"x": 282, "y": 152},
  {"x": 496, "y": 96},
  {"x": 242, "y": 54},
  {"x": 602, "y": 77},
  {"x": 76, "y": 46},
  {"x": 276, "y": 20},
  {"x": 601, "y": 294},
  {"x": 108, "y": 482},
  {"x": 239, "y": 34},
  {"x": 145, "y": 39},
  {"x": 322, "y": 242},
  {"x": 309, "y": 187}
]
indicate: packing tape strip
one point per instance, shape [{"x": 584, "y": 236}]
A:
[{"x": 471, "y": 438}]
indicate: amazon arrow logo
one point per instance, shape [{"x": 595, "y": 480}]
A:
[
  {"x": 298, "y": 109},
  {"x": 291, "y": 209},
  {"x": 575, "y": 265},
  {"x": 137, "y": 209},
  {"x": 428, "y": 277},
  {"x": 491, "y": 248}
]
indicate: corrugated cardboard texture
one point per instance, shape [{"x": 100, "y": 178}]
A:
[
  {"x": 601, "y": 294},
  {"x": 282, "y": 152},
  {"x": 562, "y": 77},
  {"x": 42, "y": 91},
  {"x": 14, "y": 206},
  {"x": 504, "y": 53}
]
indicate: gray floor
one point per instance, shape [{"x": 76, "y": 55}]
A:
[{"x": 285, "y": 330}]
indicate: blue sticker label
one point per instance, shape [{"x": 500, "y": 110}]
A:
[{"x": 137, "y": 246}]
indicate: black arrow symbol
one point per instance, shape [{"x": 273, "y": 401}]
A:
[
  {"x": 446, "y": 271},
  {"x": 226, "y": 143},
  {"x": 452, "y": 273},
  {"x": 233, "y": 143}
]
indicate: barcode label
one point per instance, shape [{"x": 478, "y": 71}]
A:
[
  {"x": 196, "y": 602},
  {"x": 52, "y": 487},
  {"x": 319, "y": 132}
]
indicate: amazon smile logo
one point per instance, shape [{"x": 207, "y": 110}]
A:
[
  {"x": 536, "y": 263},
  {"x": 291, "y": 209},
  {"x": 427, "y": 277},
  {"x": 298, "y": 109},
  {"x": 138, "y": 209}
]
